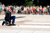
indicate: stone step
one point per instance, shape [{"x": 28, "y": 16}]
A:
[{"x": 29, "y": 26}]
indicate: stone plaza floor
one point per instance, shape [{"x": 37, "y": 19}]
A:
[{"x": 27, "y": 24}]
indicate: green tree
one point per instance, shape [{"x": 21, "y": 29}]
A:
[{"x": 28, "y": 2}]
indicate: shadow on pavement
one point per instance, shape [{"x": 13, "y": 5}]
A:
[
  {"x": 20, "y": 17},
  {"x": 16, "y": 18},
  {"x": 1, "y": 19}
]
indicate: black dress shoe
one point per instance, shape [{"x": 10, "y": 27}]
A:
[
  {"x": 3, "y": 23},
  {"x": 13, "y": 24}
]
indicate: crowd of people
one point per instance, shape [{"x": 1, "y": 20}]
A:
[{"x": 35, "y": 10}]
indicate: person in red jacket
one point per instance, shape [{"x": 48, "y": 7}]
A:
[{"x": 33, "y": 10}]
